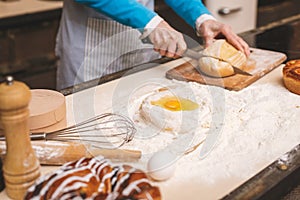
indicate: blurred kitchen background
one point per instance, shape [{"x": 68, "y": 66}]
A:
[{"x": 28, "y": 30}]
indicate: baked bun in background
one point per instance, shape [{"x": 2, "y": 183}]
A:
[
  {"x": 291, "y": 76},
  {"x": 94, "y": 178},
  {"x": 227, "y": 55}
]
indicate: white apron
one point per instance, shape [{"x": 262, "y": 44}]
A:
[{"x": 91, "y": 45}]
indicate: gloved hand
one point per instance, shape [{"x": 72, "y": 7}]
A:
[
  {"x": 167, "y": 41},
  {"x": 211, "y": 30}
]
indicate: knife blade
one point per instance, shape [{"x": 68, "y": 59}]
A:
[{"x": 197, "y": 55}]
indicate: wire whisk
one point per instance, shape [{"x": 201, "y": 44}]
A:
[{"x": 107, "y": 131}]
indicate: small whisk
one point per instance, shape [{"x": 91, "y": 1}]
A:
[{"x": 107, "y": 131}]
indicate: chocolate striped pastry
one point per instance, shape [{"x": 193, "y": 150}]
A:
[
  {"x": 94, "y": 178},
  {"x": 291, "y": 76}
]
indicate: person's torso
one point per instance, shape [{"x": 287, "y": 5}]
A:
[{"x": 91, "y": 44}]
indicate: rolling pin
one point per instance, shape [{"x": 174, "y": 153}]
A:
[{"x": 58, "y": 153}]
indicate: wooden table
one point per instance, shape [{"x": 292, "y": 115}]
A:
[{"x": 23, "y": 7}]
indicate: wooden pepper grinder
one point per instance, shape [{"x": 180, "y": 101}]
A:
[{"x": 21, "y": 167}]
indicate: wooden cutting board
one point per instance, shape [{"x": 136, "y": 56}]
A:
[{"x": 259, "y": 63}]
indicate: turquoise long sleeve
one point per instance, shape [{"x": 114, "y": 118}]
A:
[
  {"x": 189, "y": 10},
  {"x": 134, "y": 14},
  {"x": 127, "y": 12}
]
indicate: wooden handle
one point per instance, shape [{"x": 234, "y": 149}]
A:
[
  {"x": 21, "y": 167},
  {"x": 117, "y": 154}
]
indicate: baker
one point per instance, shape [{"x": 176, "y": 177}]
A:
[{"x": 99, "y": 37}]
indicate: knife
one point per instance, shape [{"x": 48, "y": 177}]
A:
[{"x": 197, "y": 55}]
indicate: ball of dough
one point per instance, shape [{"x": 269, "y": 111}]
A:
[{"x": 227, "y": 54}]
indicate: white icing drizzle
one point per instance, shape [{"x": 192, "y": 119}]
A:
[
  {"x": 62, "y": 187},
  {"x": 61, "y": 173},
  {"x": 93, "y": 168},
  {"x": 75, "y": 186},
  {"x": 104, "y": 178},
  {"x": 56, "y": 178},
  {"x": 100, "y": 167},
  {"x": 133, "y": 186},
  {"x": 78, "y": 163},
  {"x": 36, "y": 198},
  {"x": 148, "y": 195},
  {"x": 112, "y": 196},
  {"x": 117, "y": 170},
  {"x": 69, "y": 196},
  {"x": 124, "y": 178}
]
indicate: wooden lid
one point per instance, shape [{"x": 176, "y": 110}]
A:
[{"x": 47, "y": 107}]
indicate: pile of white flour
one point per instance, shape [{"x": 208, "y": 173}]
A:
[{"x": 256, "y": 125}]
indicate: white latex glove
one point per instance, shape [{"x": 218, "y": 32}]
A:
[
  {"x": 210, "y": 30},
  {"x": 167, "y": 41}
]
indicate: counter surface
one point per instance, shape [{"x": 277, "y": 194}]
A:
[
  {"x": 23, "y": 7},
  {"x": 243, "y": 156},
  {"x": 229, "y": 176}
]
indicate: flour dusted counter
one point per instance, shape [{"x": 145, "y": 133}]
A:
[
  {"x": 245, "y": 146},
  {"x": 259, "y": 127}
]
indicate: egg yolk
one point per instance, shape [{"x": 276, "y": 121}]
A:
[{"x": 174, "y": 103}]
